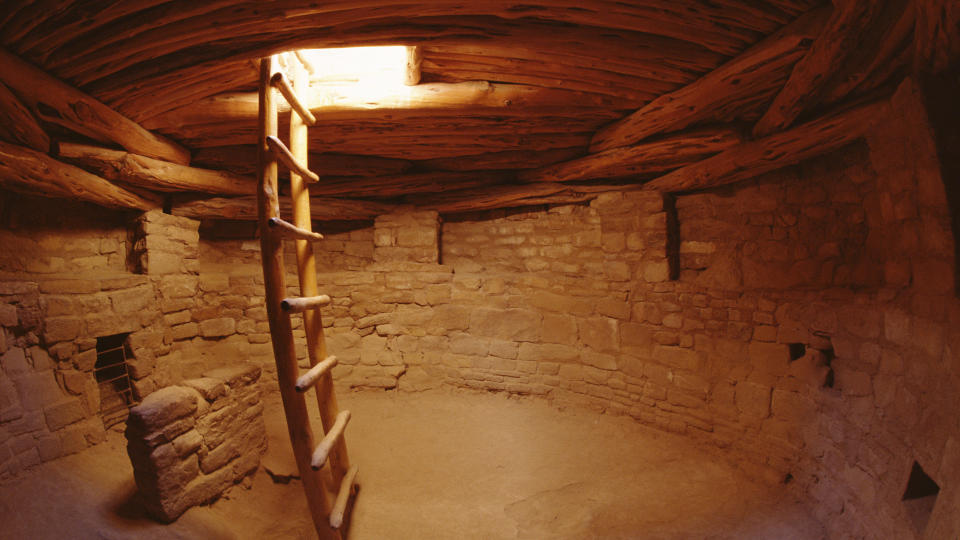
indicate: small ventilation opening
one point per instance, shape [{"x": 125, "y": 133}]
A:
[
  {"x": 797, "y": 350},
  {"x": 920, "y": 497},
  {"x": 113, "y": 378}
]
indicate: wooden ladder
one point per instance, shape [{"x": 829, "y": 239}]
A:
[{"x": 339, "y": 480}]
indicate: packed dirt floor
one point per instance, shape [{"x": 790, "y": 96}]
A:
[{"x": 442, "y": 464}]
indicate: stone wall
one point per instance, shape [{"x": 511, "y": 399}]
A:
[{"x": 190, "y": 442}]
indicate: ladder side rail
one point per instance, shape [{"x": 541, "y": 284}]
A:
[
  {"x": 271, "y": 247},
  {"x": 307, "y": 267}
]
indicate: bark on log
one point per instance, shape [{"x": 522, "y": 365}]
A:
[
  {"x": 775, "y": 151},
  {"x": 245, "y": 208},
  {"x": 724, "y": 93},
  {"x": 56, "y": 102},
  {"x": 508, "y": 159},
  {"x": 27, "y": 171},
  {"x": 841, "y": 36},
  {"x": 18, "y": 125},
  {"x": 154, "y": 174},
  {"x": 641, "y": 160}
]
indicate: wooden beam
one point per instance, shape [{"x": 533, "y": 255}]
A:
[
  {"x": 343, "y": 103},
  {"x": 245, "y": 208},
  {"x": 411, "y": 74},
  {"x": 468, "y": 200},
  {"x": 18, "y": 125},
  {"x": 154, "y": 174},
  {"x": 937, "y": 36},
  {"x": 28, "y": 171},
  {"x": 241, "y": 159},
  {"x": 879, "y": 56},
  {"x": 53, "y": 101},
  {"x": 508, "y": 159},
  {"x": 753, "y": 158},
  {"x": 738, "y": 85},
  {"x": 841, "y": 36},
  {"x": 405, "y": 184},
  {"x": 643, "y": 159}
]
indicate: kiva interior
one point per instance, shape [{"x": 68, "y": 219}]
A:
[{"x": 654, "y": 269}]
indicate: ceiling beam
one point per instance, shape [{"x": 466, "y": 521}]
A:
[
  {"x": 790, "y": 147},
  {"x": 345, "y": 103},
  {"x": 154, "y": 174},
  {"x": 642, "y": 159},
  {"x": 56, "y": 102},
  {"x": 34, "y": 173},
  {"x": 508, "y": 196},
  {"x": 838, "y": 40},
  {"x": 245, "y": 208},
  {"x": 741, "y": 84},
  {"x": 18, "y": 125}
]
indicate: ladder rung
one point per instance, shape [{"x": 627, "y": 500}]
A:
[
  {"x": 303, "y": 303},
  {"x": 308, "y": 379},
  {"x": 281, "y": 152},
  {"x": 280, "y": 82},
  {"x": 343, "y": 497},
  {"x": 329, "y": 440},
  {"x": 289, "y": 230}
]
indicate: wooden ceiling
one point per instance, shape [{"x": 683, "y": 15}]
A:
[{"x": 519, "y": 103}]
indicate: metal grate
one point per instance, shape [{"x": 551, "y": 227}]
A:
[{"x": 113, "y": 378}]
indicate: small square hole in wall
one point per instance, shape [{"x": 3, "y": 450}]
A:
[
  {"x": 797, "y": 350},
  {"x": 920, "y": 497},
  {"x": 113, "y": 378}
]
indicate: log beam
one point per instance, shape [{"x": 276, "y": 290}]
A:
[
  {"x": 18, "y": 125},
  {"x": 27, "y": 171},
  {"x": 643, "y": 159},
  {"x": 840, "y": 38},
  {"x": 241, "y": 159},
  {"x": 154, "y": 174},
  {"x": 739, "y": 85},
  {"x": 344, "y": 104},
  {"x": 411, "y": 74},
  {"x": 245, "y": 208},
  {"x": 56, "y": 102},
  {"x": 937, "y": 36},
  {"x": 469, "y": 200},
  {"x": 790, "y": 147}
]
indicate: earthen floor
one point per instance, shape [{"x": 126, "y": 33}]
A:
[{"x": 442, "y": 464}]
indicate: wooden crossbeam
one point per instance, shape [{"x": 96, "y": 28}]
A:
[
  {"x": 330, "y": 440},
  {"x": 838, "y": 40},
  {"x": 642, "y": 159},
  {"x": 56, "y": 102},
  {"x": 752, "y": 158},
  {"x": 741, "y": 84},
  {"x": 154, "y": 174},
  {"x": 18, "y": 125},
  {"x": 28, "y": 171},
  {"x": 283, "y": 154}
]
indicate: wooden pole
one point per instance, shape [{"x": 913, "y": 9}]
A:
[
  {"x": 307, "y": 266},
  {"x": 411, "y": 75},
  {"x": 271, "y": 251}
]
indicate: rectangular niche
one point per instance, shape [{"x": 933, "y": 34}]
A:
[
  {"x": 113, "y": 379},
  {"x": 920, "y": 497}
]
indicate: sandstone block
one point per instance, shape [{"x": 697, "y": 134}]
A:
[
  {"x": 559, "y": 328},
  {"x": 64, "y": 413},
  {"x": 14, "y": 362},
  {"x": 677, "y": 357},
  {"x": 208, "y": 387},
  {"x": 184, "y": 331},
  {"x": 8, "y": 315},
  {"x": 57, "y": 329},
  {"x": 163, "y": 407},
  {"x": 772, "y": 358},
  {"x": 510, "y": 324},
  {"x": 212, "y": 328},
  {"x": 235, "y": 375},
  {"x": 753, "y": 400},
  {"x": 600, "y": 333},
  {"x": 37, "y": 390},
  {"x": 547, "y": 352}
]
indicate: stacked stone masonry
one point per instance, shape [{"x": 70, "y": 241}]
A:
[
  {"x": 190, "y": 442},
  {"x": 805, "y": 321}
]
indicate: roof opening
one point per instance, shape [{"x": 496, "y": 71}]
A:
[{"x": 355, "y": 65}]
